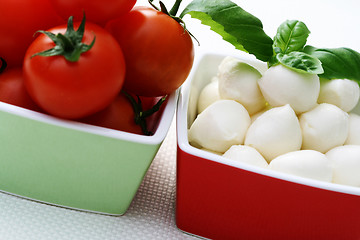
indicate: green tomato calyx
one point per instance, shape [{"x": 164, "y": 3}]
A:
[
  {"x": 140, "y": 114},
  {"x": 172, "y": 13},
  {"x": 70, "y": 44}
]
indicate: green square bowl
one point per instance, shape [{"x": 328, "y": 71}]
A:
[{"x": 72, "y": 164}]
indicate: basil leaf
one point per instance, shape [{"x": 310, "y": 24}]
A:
[
  {"x": 338, "y": 63},
  {"x": 301, "y": 62},
  {"x": 235, "y": 25},
  {"x": 291, "y": 36}
]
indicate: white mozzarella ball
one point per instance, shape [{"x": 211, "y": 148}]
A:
[
  {"x": 246, "y": 154},
  {"x": 324, "y": 127},
  {"x": 343, "y": 93},
  {"x": 258, "y": 114},
  {"x": 208, "y": 95},
  {"x": 345, "y": 161},
  {"x": 221, "y": 125},
  {"x": 281, "y": 85},
  {"x": 239, "y": 81},
  {"x": 354, "y": 130},
  {"x": 304, "y": 163},
  {"x": 275, "y": 132}
]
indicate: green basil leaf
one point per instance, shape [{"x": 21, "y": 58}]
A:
[
  {"x": 338, "y": 63},
  {"x": 301, "y": 62},
  {"x": 235, "y": 25},
  {"x": 291, "y": 36}
]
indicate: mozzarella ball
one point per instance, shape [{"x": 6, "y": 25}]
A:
[
  {"x": 281, "y": 85},
  {"x": 221, "y": 125},
  {"x": 246, "y": 154},
  {"x": 304, "y": 163},
  {"x": 324, "y": 127},
  {"x": 354, "y": 130},
  {"x": 239, "y": 81},
  {"x": 258, "y": 114},
  {"x": 343, "y": 93},
  {"x": 275, "y": 132},
  {"x": 345, "y": 161},
  {"x": 208, "y": 95}
]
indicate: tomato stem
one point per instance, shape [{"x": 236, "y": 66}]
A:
[
  {"x": 155, "y": 108},
  {"x": 140, "y": 114},
  {"x": 70, "y": 44},
  {"x": 172, "y": 14},
  {"x": 3, "y": 64},
  {"x": 175, "y": 8},
  {"x": 163, "y": 8},
  {"x": 153, "y": 5}
]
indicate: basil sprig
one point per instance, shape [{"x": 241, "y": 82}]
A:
[
  {"x": 245, "y": 32},
  {"x": 289, "y": 43}
]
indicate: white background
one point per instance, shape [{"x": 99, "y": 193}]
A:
[{"x": 151, "y": 215}]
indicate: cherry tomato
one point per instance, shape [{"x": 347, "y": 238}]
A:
[
  {"x": 96, "y": 11},
  {"x": 12, "y": 89},
  {"x": 75, "y": 89},
  {"x": 19, "y": 20},
  {"x": 158, "y": 51},
  {"x": 119, "y": 115}
]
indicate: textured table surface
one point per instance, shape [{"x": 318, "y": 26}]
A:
[{"x": 151, "y": 216}]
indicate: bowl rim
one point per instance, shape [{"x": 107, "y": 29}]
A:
[
  {"x": 156, "y": 138},
  {"x": 183, "y": 143}
]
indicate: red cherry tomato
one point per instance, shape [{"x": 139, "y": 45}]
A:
[
  {"x": 75, "y": 89},
  {"x": 119, "y": 115},
  {"x": 19, "y": 20},
  {"x": 158, "y": 51},
  {"x": 96, "y": 11},
  {"x": 12, "y": 90}
]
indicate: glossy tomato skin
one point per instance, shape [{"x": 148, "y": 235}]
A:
[
  {"x": 19, "y": 20},
  {"x": 119, "y": 115},
  {"x": 96, "y": 11},
  {"x": 75, "y": 89},
  {"x": 158, "y": 52},
  {"x": 12, "y": 90}
]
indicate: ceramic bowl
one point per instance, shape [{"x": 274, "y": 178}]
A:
[
  {"x": 72, "y": 164},
  {"x": 218, "y": 198}
]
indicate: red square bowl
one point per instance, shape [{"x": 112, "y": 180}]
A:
[{"x": 219, "y": 198}]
